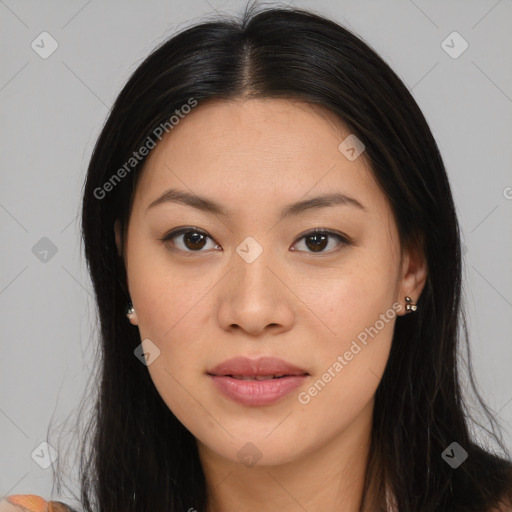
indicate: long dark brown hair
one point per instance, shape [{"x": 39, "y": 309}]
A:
[{"x": 136, "y": 456}]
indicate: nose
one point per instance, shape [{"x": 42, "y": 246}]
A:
[{"x": 255, "y": 297}]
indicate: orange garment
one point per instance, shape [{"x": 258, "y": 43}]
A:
[{"x": 33, "y": 503}]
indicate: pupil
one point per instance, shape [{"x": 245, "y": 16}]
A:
[
  {"x": 319, "y": 242},
  {"x": 192, "y": 239}
]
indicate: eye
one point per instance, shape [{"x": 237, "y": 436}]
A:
[
  {"x": 189, "y": 239},
  {"x": 318, "y": 239}
]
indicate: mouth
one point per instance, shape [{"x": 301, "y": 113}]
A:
[{"x": 256, "y": 382}]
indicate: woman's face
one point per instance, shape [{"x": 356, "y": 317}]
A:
[{"x": 250, "y": 279}]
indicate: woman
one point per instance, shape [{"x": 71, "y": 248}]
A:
[{"x": 276, "y": 258}]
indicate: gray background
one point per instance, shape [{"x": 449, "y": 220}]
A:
[{"x": 52, "y": 110}]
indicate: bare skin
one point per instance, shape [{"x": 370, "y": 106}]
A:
[{"x": 203, "y": 306}]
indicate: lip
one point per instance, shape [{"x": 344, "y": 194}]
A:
[
  {"x": 256, "y": 392},
  {"x": 263, "y": 366}
]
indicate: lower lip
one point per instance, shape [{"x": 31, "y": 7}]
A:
[{"x": 257, "y": 392}]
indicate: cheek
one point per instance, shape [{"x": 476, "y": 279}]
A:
[
  {"x": 358, "y": 319},
  {"x": 360, "y": 322},
  {"x": 171, "y": 311},
  {"x": 173, "y": 318},
  {"x": 352, "y": 298},
  {"x": 350, "y": 364}
]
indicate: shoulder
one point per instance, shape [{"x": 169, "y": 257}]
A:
[
  {"x": 31, "y": 503},
  {"x": 505, "y": 506}
]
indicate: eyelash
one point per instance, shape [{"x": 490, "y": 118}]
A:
[{"x": 342, "y": 239}]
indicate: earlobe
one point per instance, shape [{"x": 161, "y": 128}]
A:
[{"x": 132, "y": 315}]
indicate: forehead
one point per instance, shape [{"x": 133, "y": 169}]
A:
[{"x": 254, "y": 150}]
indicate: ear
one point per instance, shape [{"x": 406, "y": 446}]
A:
[
  {"x": 118, "y": 236},
  {"x": 413, "y": 276}
]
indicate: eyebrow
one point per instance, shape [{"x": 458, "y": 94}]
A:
[{"x": 204, "y": 204}]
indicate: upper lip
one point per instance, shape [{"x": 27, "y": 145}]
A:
[{"x": 263, "y": 366}]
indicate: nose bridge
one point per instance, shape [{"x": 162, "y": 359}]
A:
[{"x": 251, "y": 260}]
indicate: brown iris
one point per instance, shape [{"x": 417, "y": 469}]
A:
[
  {"x": 319, "y": 242},
  {"x": 194, "y": 240}
]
